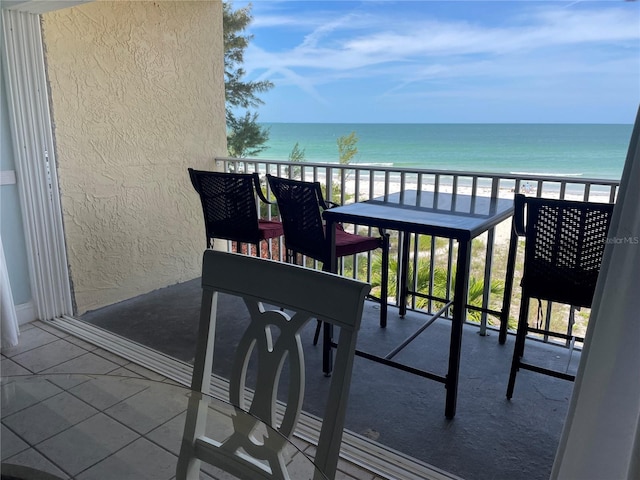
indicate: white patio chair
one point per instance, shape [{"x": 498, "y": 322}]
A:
[{"x": 281, "y": 298}]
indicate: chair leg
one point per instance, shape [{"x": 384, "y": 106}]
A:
[
  {"x": 518, "y": 349},
  {"x": 327, "y": 352},
  {"x": 316, "y": 336},
  {"x": 523, "y": 324}
]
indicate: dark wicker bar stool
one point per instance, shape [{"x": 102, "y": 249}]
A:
[
  {"x": 301, "y": 205},
  {"x": 564, "y": 243},
  {"x": 230, "y": 208}
]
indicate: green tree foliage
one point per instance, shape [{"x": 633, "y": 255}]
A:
[
  {"x": 244, "y": 136},
  {"x": 347, "y": 148},
  {"x": 297, "y": 155}
]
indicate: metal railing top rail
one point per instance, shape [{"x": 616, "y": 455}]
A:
[
  {"x": 534, "y": 177},
  {"x": 539, "y": 185}
]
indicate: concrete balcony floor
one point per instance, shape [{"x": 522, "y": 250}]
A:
[{"x": 490, "y": 437}]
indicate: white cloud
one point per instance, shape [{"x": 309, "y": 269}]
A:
[
  {"x": 426, "y": 39},
  {"x": 395, "y": 53}
]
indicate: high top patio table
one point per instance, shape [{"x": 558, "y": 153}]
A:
[{"x": 455, "y": 216}]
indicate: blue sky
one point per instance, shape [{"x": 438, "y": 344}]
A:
[{"x": 446, "y": 61}]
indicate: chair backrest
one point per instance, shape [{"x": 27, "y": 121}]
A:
[
  {"x": 564, "y": 244},
  {"x": 280, "y": 298},
  {"x": 228, "y": 204},
  {"x": 300, "y": 205}
]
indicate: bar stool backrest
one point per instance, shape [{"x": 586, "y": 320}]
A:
[
  {"x": 564, "y": 243},
  {"x": 228, "y": 205}
]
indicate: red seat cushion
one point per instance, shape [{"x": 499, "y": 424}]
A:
[
  {"x": 270, "y": 229},
  {"x": 349, "y": 243}
]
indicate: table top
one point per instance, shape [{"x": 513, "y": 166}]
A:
[
  {"x": 107, "y": 426},
  {"x": 448, "y": 215}
]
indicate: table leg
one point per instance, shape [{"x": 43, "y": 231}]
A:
[
  {"x": 404, "y": 273},
  {"x": 459, "y": 313}
]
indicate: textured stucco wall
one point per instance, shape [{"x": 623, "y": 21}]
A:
[{"x": 137, "y": 95}]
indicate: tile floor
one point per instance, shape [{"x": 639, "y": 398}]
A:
[{"x": 28, "y": 441}]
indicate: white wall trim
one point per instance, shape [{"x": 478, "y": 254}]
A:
[
  {"x": 26, "y": 312},
  {"x": 32, "y": 136}
]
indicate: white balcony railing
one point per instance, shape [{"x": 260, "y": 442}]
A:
[{"x": 358, "y": 182}]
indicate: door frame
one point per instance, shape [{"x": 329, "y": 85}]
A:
[{"x": 35, "y": 162}]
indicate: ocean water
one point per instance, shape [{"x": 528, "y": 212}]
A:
[{"x": 577, "y": 150}]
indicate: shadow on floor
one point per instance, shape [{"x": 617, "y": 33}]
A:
[{"x": 490, "y": 437}]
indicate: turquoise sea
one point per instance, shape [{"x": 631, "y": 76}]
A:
[{"x": 580, "y": 150}]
